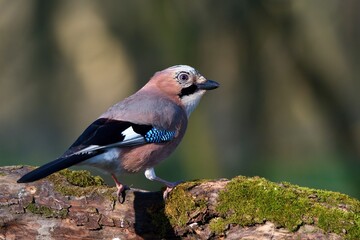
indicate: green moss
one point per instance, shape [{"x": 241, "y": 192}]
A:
[
  {"x": 181, "y": 204},
  {"x": 46, "y": 211},
  {"x": 2, "y": 174},
  {"x": 80, "y": 183},
  {"x": 248, "y": 201},
  {"x": 82, "y": 178},
  {"x": 218, "y": 225}
]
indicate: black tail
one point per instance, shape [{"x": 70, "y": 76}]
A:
[{"x": 54, "y": 166}]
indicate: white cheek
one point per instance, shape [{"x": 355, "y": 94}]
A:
[{"x": 190, "y": 102}]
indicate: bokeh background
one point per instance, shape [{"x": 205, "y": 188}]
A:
[{"x": 287, "y": 109}]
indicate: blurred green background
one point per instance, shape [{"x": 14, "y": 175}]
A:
[{"x": 287, "y": 109}]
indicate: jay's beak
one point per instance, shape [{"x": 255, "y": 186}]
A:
[{"x": 208, "y": 85}]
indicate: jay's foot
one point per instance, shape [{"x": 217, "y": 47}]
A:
[
  {"x": 121, "y": 192},
  {"x": 169, "y": 187},
  {"x": 121, "y": 189},
  {"x": 150, "y": 174}
]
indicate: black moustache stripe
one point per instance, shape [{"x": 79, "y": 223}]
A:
[{"x": 188, "y": 90}]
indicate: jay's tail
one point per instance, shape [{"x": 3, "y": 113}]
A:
[{"x": 54, "y": 166}]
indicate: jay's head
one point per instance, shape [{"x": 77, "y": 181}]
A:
[{"x": 184, "y": 83}]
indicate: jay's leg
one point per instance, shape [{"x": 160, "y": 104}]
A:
[
  {"x": 120, "y": 189},
  {"x": 150, "y": 174}
]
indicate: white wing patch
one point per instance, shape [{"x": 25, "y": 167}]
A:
[
  {"x": 129, "y": 134},
  {"x": 131, "y": 138}
]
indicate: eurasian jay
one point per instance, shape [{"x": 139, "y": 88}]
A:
[{"x": 140, "y": 131}]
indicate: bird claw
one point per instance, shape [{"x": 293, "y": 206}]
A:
[
  {"x": 169, "y": 187},
  {"x": 121, "y": 193},
  {"x": 173, "y": 184},
  {"x": 166, "y": 192}
]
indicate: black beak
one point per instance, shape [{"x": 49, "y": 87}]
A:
[{"x": 208, "y": 85}]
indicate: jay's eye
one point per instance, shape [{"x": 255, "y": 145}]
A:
[{"x": 183, "y": 77}]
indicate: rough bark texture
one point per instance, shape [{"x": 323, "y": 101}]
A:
[{"x": 47, "y": 209}]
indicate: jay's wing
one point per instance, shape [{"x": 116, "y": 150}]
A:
[
  {"x": 99, "y": 136},
  {"x": 106, "y": 133}
]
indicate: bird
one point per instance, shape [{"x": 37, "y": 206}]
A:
[{"x": 138, "y": 132}]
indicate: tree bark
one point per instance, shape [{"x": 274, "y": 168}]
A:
[{"x": 54, "y": 208}]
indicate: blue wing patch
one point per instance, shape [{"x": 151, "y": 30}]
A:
[
  {"x": 155, "y": 135},
  {"x": 104, "y": 133}
]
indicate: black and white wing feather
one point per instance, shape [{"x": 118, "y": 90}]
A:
[{"x": 96, "y": 139}]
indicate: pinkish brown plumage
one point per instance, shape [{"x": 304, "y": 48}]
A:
[{"x": 140, "y": 131}]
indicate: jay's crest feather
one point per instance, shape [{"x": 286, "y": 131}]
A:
[{"x": 138, "y": 132}]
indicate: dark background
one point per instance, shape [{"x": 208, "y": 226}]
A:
[{"x": 287, "y": 109}]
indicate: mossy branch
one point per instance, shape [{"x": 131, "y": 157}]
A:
[{"x": 72, "y": 204}]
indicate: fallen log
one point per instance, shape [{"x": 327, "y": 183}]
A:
[{"x": 76, "y": 205}]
